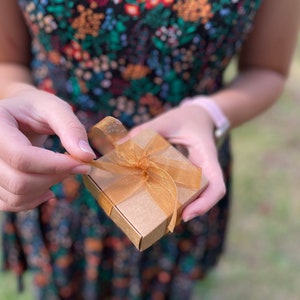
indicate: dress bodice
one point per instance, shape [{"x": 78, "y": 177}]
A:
[{"x": 134, "y": 58}]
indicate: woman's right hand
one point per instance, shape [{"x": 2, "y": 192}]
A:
[{"x": 27, "y": 170}]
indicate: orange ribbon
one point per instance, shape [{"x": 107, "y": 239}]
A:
[{"x": 145, "y": 168}]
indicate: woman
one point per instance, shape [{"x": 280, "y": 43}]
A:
[{"x": 155, "y": 64}]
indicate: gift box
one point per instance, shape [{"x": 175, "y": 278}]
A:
[{"x": 143, "y": 183}]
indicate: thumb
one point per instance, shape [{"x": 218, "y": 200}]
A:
[
  {"x": 71, "y": 132},
  {"x": 163, "y": 124}
]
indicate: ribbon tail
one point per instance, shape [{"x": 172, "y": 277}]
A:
[
  {"x": 160, "y": 185},
  {"x": 173, "y": 221}
]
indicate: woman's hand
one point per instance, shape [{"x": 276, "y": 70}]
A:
[
  {"x": 27, "y": 171},
  {"x": 192, "y": 127}
]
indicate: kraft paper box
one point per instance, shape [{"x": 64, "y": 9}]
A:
[{"x": 143, "y": 199}]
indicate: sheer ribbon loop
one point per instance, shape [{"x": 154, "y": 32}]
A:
[{"x": 139, "y": 168}]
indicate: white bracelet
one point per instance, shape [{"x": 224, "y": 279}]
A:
[{"x": 221, "y": 122}]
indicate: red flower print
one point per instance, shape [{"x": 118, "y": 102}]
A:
[
  {"x": 47, "y": 85},
  {"x": 132, "y": 9},
  {"x": 152, "y": 3},
  {"x": 167, "y": 2},
  {"x": 99, "y": 2}
]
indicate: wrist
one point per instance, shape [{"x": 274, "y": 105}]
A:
[{"x": 220, "y": 120}]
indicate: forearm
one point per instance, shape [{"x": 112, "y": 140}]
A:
[
  {"x": 264, "y": 62},
  {"x": 250, "y": 94},
  {"x": 11, "y": 76}
]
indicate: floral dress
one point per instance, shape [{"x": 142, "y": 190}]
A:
[{"x": 132, "y": 59}]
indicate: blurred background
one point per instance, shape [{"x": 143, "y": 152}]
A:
[{"x": 262, "y": 258}]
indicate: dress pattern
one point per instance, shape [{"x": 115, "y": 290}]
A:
[{"x": 132, "y": 59}]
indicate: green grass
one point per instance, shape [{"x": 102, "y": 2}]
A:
[
  {"x": 8, "y": 284},
  {"x": 262, "y": 259},
  {"x": 8, "y": 288}
]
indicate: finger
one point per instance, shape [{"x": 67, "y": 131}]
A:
[
  {"x": 17, "y": 151},
  {"x": 163, "y": 124},
  {"x": 203, "y": 204},
  {"x": 71, "y": 132},
  {"x": 36, "y": 116},
  {"x": 205, "y": 156},
  {"x": 209, "y": 197},
  {"x": 19, "y": 184},
  {"x": 203, "y": 153},
  {"x": 30, "y": 185},
  {"x": 27, "y": 205}
]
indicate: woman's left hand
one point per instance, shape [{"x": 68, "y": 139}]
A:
[{"x": 192, "y": 127}]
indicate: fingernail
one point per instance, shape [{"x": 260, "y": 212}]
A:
[
  {"x": 85, "y": 147},
  {"x": 189, "y": 217},
  {"x": 82, "y": 169}
]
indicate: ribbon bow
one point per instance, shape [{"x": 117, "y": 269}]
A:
[{"x": 146, "y": 168}]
